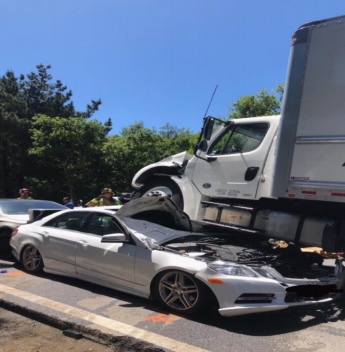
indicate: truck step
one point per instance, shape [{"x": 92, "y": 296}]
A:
[
  {"x": 231, "y": 227},
  {"x": 222, "y": 205}
]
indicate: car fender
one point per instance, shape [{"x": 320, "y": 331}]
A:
[
  {"x": 8, "y": 226},
  {"x": 172, "y": 165},
  {"x": 19, "y": 245},
  {"x": 149, "y": 264}
]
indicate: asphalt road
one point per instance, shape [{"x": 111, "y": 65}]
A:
[{"x": 105, "y": 311}]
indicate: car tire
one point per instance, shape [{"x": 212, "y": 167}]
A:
[
  {"x": 5, "y": 248},
  {"x": 180, "y": 292},
  {"x": 32, "y": 259},
  {"x": 163, "y": 186}
]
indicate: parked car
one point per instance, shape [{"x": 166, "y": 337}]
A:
[
  {"x": 15, "y": 212},
  {"x": 131, "y": 251},
  {"x": 126, "y": 197}
]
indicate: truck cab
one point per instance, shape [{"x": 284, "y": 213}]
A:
[{"x": 236, "y": 161}]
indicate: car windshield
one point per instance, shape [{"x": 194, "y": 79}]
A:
[{"x": 15, "y": 207}]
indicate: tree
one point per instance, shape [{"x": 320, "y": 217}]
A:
[
  {"x": 22, "y": 98},
  {"x": 138, "y": 146},
  {"x": 71, "y": 147},
  {"x": 261, "y": 104}
]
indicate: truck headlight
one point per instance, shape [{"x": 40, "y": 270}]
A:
[{"x": 232, "y": 269}]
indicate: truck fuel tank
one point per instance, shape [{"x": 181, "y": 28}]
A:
[
  {"x": 239, "y": 216},
  {"x": 304, "y": 231}
]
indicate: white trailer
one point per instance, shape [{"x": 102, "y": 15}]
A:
[{"x": 282, "y": 176}]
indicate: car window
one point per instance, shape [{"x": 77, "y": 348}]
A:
[
  {"x": 18, "y": 207},
  {"x": 68, "y": 221},
  {"x": 102, "y": 224},
  {"x": 240, "y": 139}
]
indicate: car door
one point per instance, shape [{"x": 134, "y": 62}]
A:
[
  {"x": 110, "y": 262},
  {"x": 237, "y": 157},
  {"x": 60, "y": 237}
]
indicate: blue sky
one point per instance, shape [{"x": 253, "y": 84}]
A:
[{"x": 156, "y": 61}]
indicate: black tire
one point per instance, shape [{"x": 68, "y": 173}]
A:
[
  {"x": 162, "y": 184},
  {"x": 180, "y": 292},
  {"x": 32, "y": 259},
  {"x": 5, "y": 248}
]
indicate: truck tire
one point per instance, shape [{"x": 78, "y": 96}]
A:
[{"x": 161, "y": 186}]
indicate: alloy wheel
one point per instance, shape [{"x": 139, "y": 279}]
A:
[
  {"x": 178, "y": 291},
  {"x": 32, "y": 259}
]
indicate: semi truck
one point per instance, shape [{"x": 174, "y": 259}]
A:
[{"x": 280, "y": 177}]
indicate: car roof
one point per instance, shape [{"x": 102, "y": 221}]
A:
[
  {"x": 94, "y": 209},
  {"x": 25, "y": 200}
]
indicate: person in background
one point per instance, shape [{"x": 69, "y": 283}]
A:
[
  {"x": 24, "y": 193},
  {"x": 106, "y": 198},
  {"x": 68, "y": 203}
]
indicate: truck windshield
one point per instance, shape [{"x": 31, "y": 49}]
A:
[{"x": 240, "y": 139}]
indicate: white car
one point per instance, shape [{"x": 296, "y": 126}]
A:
[
  {"x": 16, "y": 212},
  {"x": 132, "y": 252}
]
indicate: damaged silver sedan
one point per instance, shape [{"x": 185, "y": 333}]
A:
[{"x": 151, "y": 249}]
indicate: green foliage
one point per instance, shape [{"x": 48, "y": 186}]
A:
[
  {"x": 261, "y": 104},
  {"x": 138, "y": 146},
  {"x": 70, "y": 148},
  {"x": 22, "y": 98}
]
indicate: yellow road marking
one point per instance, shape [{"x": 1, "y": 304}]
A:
[{"x": 159, "y": 340}]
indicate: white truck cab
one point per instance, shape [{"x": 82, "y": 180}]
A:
[{"x": 237, "y": 156}]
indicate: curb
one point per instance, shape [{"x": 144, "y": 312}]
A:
[{"x": 126, "y": 343}]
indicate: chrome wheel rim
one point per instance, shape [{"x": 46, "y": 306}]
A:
[
  {"x": 159, "y": 191},
  {"x": 178, "y": 291},
  {"x": 31, "y": 258}
]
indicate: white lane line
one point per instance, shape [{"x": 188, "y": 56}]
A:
[{"x": 159, "y": 340}]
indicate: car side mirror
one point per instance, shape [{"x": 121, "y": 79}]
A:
[
  {"x": 203, "y": 145},
  {"x": 115, "y": 237},
  {"x": 208, "y": 127}
]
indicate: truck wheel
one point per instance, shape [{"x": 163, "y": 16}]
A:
[{"x": 164, "y": 187}]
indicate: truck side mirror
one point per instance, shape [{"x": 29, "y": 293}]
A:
[
  {"x": 208, "y": 127},
  {"x": 202, "y": 145}
]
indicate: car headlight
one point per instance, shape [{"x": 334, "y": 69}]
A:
[{"x": 232, "y": 269}]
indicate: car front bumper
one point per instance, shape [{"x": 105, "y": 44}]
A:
[
  {"x": 238, "y": 295},
  {"x": 258, "y": 308},
  {"x": 16, "y": 255}
]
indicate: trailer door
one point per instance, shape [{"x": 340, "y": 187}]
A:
[{"x": 310, "y": 160}]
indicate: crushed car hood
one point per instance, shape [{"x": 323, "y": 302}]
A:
[
  {"x": 162, "y": 211},
  {"x": 155, "y": 219},
  {"x": 156, "y": 234}
]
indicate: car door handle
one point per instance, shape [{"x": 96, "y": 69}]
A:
[
  {"x": 251, "y": 173},
  {"x": 83, "y": 243}
]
